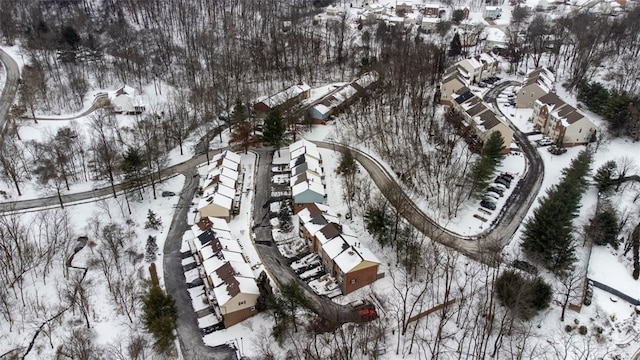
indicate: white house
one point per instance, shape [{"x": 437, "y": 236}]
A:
[{"x": 124, "y": 101}]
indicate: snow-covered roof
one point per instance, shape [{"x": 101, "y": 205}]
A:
[
  {"x": 367, "y": 79},
  {"x": 322, "y": 109},
  {"x": 302, "y": 147},
  {"x": 335, "y": 246},
  {"x": 125, "y": 90},
  {"x": 233, "y": 287},
  {"x": 312, "y": 210},
  {"x": 210, "y": 223},
  {"x": 285, "y": 95},
  {"x": 495, "y": 35},
  {"x": 227, "y": 154},
  {"x": 307, "y": 181},
  {"x": 217, "y": 199},
  {"x": 304, "y": 163}
]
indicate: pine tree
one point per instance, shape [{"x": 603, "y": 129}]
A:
[
  {"x": 378, "y": 223},
  {"x": 159, "y": 315},
  {"x": 455, "y": 47},
  {"x": 150, "y": 249},
  {"x": 274, "y": 130},
  {"x": 493, "y": 148},
  {"x": 153, "y": 221},
  {"x": 547, "y": 237},
  {"x": 284, "y": 217},
  {"x": 483, "y": 169},
  {"x": 604, "y": 177}
]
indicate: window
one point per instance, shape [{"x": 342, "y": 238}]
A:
[
  {"x": 580, "y": 131},
  {"x": 352, "y": 281},
  {"x": 242, "y": 302},
  {"x": 531, "y": 94}
]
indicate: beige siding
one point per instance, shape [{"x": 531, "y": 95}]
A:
[
  {"x": 528, "y": 95},
  {"x": 214, "y": 210},
  {"x": 236, "y": 303},
  {"x": 579, "y": 132}
]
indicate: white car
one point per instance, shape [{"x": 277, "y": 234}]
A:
[{"x": 545, "y": 142}]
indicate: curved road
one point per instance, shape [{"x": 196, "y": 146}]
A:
[
  {"x": 525, "y": 192},
  {"x": 10, "y": 86}
]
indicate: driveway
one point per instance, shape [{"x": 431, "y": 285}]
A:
[{"x": 189, "y": 334}]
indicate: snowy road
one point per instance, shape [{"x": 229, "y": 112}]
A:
[{"x": 10, "y": 86}]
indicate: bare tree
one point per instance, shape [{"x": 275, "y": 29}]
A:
[
  {"x": 13, "y": 163},
  {"x": 569, "y": 288}
]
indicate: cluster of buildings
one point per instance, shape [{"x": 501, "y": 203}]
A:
[
  {"x": 405, "y": 14},
  {"x": 220, "y": 197},
  {"x": 230, "y": 284},
  {"x": 331, "y": 103},
  {"x": 341, "y": 254},
  {"x": 342, "y": 98},
  {"x": 562, "y": 123},
  {"x": 339, "y": 250},
  {"x": 307, "y": 174},
  {"x": 284, "y": 99},
  {"x": 478, "y": 116}
]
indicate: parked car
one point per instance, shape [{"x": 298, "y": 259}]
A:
[
  {"x": 496, "y": 190},
  {"x": 168, "y": 193},
  {"x": 491, "y": 196},
  {"x": 545, "y": 142},
  {"x": 212, "y": 328},
  {"x": 525, "y": 266},
  {"x": 507, "y": 175},
  {"x": 488, "y": 204},
  {"x": 503, "y": 181},
  {"x": 557, "y": 150}
]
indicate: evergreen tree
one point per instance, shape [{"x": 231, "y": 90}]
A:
[
  {"x": 239, "y": 113},
  {"x": 524, "y": 297},
  {"x": 547, "y": 237},
  {"x": 274, "y": 130},
  {"x": 604, "y": 177},
  {"x": 285, "y": 307},
  {"x": 266, "y": 293},
  {"x": 378, "y": 223},
  {"x": 159, "y": 315},
  {"x": 284, "y": 217},
  {"x": 616, "y": 112},
  {"x": 593, "y": 95},
  {"x": 493, "y": 148},
  {"x": 150, "y": 249},
  {"x": 457, "y": 16},
  {"x": 153, "y": 221},
  {"x": 603, "y": 227},
  {"x": 484, "y": 167},
  {"x": 455, "y": 47}
]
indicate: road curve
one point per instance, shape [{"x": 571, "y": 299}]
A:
[
  {"x": 99, "y": 101},
  {"x": 10, "y": 86},
  {"x": 468, "y": 245},
  {"x": 525, "y": 192}
]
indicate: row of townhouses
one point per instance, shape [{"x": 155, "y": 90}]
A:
[
  {"x": 340, "y": 252},
  {"x": 478, "y": 115},
  {"x": 338, "y": 248},
  {"x": 230, "y": 287},
  {"x": 220, "y": 197},
  {"x": 561, "y": 122}
]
